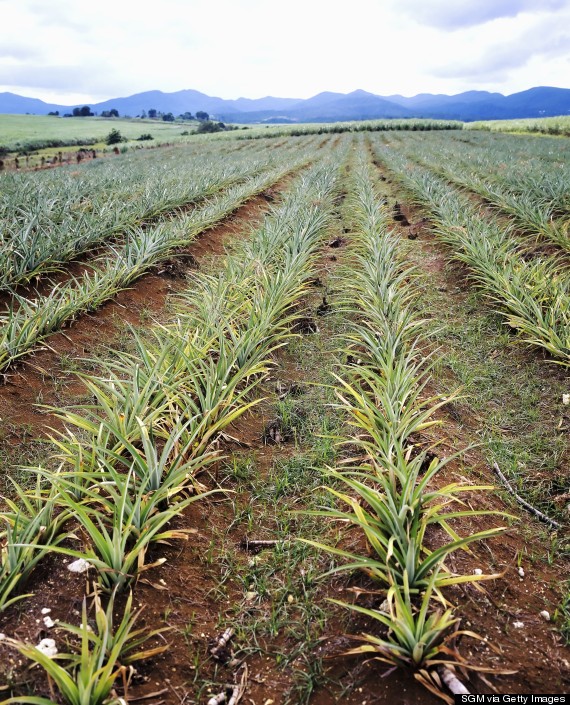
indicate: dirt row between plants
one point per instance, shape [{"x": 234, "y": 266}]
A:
[{"x": 533, "y": 574}]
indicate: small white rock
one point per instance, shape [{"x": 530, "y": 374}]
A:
[
  {"x": 2, "y": 636},
  {"x": 545, "y": 614},
  {"x": 48, "y": 621},
  {"x": 47, "y": 647},
  {"x": 477, "y": 571},
  {"x": 46, "y": 610},
  {"x": 521, "y": 571},
  {"x": 518, "y": 625},
  {"x": 566, "y": 399},
  {"x": 79, "y": 566}
]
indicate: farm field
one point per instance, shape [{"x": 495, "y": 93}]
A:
[
  {"x": 285, "y": 420},
  {"x": 40, "y": 142},
  {"x": 547, "y": 126},
  {"x": 23, "y": 132}
]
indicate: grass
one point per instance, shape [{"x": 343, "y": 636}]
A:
[
  {"x": 281, "y": 615},
  {"x": 546, "y": 126},
  {"x": 24, "y": 132}
]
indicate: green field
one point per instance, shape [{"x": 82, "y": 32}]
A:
[
  {"x": 29, "y": 132},
  {"x": 546, "y": 126}
]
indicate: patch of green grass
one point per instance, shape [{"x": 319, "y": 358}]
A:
[
  {"x": 23, "y": 132},
  {"x": 547, "y": 126},
  {"x": 562, "y": 616}
]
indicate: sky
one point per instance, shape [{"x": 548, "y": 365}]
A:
[{"x": 73, "y": 51}]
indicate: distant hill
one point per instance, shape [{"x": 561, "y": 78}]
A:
[
  {"x": 542, "y": 101},
  {"x": 358, "y": 105},
  {"x": 13, "y": 104}
]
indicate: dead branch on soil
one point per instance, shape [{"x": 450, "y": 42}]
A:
[
  {"x": 257, "y": 545},
  {"x": 523, "y": 502}
]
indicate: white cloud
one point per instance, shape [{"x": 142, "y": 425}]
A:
[
  {"x": 467, "y": 13},
  {"x": 507, "y": 48},
  {"x": 68, "y": 51}
]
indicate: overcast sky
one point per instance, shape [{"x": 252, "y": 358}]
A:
[{"x": 72, "y": 51}]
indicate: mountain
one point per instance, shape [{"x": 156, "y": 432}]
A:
[
  {"x": 358, "y": 105},
  {"x": 541, "y": 101},
  {"x": 18, "y": 105},
  {"x": 248, "y": 105},
  {"x": 424, "y": 101},
  {"x": 190, "y": 101},
  {"x": 319, "y": 99}
]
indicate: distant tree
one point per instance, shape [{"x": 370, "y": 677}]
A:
[
  {"x": 152, "y": 113},
  {"x": 143, "y": 115},
  {"x": 114, "y": 137},
  {"x": 186, "y": 116},
  {"x": 168, "y": 117},
  {"x": 201, "y": 115},
  {"x": 144, "y": 137},
  {"x": 110, "y": 113},
  {"x": 54, "y": 112},
  {"x": 209, "y": 126},
  {"x": 85, "y": 111}
]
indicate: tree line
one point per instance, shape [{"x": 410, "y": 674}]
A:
[{"x": 152, "y": 114}]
